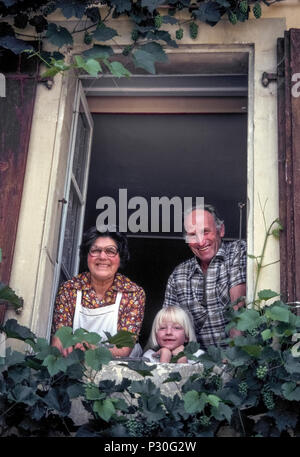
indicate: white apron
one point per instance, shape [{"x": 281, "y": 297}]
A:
[{"x": 98, "y": 320}]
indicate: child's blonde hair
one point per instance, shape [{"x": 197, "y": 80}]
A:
[{"x": 174, "y": 314}]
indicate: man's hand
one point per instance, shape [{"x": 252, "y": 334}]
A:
[
  {"x": 235, "y": 293},
  {"x": 234, "y": 332}
]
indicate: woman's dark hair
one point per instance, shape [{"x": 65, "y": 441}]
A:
[{"x": 90, "y": 236}]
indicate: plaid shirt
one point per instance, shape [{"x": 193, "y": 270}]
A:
[{"x": 206, "y": 296}]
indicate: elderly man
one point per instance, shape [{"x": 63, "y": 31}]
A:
[{"x": 208, "y": 282}]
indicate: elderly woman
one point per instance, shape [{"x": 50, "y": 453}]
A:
[{"x": 100, "y": 299}]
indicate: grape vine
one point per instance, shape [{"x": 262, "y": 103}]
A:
[{"x": 25, "y": 20}]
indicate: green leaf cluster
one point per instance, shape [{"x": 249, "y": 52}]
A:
[
  {"x": 256, "y": 375},
  {"x": 7, "y": 294},
  {"x": 148, "y": 20}
]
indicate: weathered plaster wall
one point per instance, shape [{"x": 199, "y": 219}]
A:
[
  {"x": 116, "y": 372},
  {"x": 288, "y": 9},
  {"x": 36, "y": 244}
]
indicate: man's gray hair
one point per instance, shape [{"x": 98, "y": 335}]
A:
[{"x": 209, "y": 208}]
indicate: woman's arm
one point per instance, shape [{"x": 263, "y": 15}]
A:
[
  {"x": 120, "y": 352},
  {"x": 131, "y": 320},
  {"x": 131, "y": 313},
  {"x": 57, "y": 343}
]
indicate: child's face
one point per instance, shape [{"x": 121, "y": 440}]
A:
[{"x": 170, "y": 335}]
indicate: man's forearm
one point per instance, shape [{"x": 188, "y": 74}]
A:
[{"x": 235, "y": 293}]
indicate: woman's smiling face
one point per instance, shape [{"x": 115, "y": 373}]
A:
[{"x": 102, "y": 266}]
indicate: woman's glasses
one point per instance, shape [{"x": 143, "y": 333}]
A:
[{"x": 110, "y": 251}]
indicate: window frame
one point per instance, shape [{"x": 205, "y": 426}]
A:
[{"x": 71, "y": 185}]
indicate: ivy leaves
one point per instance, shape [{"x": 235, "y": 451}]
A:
[
  {"x": 152, "y": 29},
  {"x": 98, "y": 52},
  {"x": 151, "y": 5},
  {"x": 36, "y": 390},
  {"x": 149, "y": 399},
  {"x": 121, "y": 6},
  {"x": 8, "y": 3},
  {"x": 91, "y": 66},
  {"x": 195, "y": 402},
  {"x": 71, "y": 9},
  {"x": 58, "y": 35},
  {"x": 209, "y": 12},
  {"x": 144, "y": 56},
  {"x": 9, "y": 295},
  {"x": 14, "y": 44},
  {"x": 104, "y": 33},
  {"x": 291, "y": 391},
  {"x": 117, "y": 69},
  {"x": 68, "y": 338},
  {"x": 147, "y": 55},
  {"x": 14, "y": 330}
]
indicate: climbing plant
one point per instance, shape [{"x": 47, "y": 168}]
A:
[
  {"x": 252, "y": 386},
  {"x": 155, "y": 24}
]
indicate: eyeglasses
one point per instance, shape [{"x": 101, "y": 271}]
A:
[{"x": 110, "y": 251}]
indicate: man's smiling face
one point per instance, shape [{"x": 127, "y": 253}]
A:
[{"x": 202, "y": 235}]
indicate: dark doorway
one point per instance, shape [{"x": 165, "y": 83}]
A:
[{"x": 155, "y": 155}]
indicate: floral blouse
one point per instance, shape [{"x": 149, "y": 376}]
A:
[{"x": 131, "y": 310}]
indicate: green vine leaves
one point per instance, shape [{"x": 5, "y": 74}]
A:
[
  {"x": 153, "y": 29},
  {"x": 37, "y": 388},
  {"x": 8, "y": 295}
]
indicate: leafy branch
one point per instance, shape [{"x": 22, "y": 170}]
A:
[
  {"x": 36, "y": 390},
  {"x": 152, "y": 23},
  {"x": 8, "y": 295}
]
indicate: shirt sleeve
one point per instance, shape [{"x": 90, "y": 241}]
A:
[
  {"x": 150, "y": 356},
  {"x": 131, "y": 317},
  {"x": 171, "y": 298},
  {"x": 64, "y": 308},
  {"x": 238, "y": 265}
]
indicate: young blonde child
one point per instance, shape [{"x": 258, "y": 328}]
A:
[{"x": 172, "y": 328}]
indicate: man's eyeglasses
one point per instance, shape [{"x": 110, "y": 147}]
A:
[{"x": 110, "y": 251}]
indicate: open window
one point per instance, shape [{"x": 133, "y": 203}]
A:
[{"x": 174, "y": 135}]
